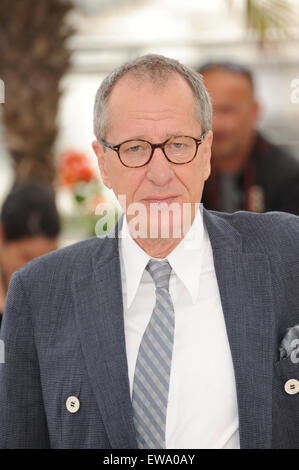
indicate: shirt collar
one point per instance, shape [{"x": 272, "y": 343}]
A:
[
  {"x": 185, "y": 259},
  {"x": 135, "y": 260}
]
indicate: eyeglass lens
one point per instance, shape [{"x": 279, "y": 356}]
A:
[{"x": 138, "y": 152}]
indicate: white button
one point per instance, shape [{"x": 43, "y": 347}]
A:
[
  {"x": 292, "y": 386},
  {"x": 72, "y": 404}
]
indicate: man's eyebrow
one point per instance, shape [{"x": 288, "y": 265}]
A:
[{"x": 167, "y": 136}]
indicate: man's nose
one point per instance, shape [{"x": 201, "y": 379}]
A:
[{"x": 159, "y": 169}]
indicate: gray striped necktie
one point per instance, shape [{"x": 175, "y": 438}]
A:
[{"x": 152, "y": 371}]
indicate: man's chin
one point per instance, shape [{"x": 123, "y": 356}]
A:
[{"x": 161, "y": 221}]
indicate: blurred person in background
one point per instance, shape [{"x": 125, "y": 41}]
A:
[
  {"x": 29, "y": 228},
  {"x": 248, "y": 172}
]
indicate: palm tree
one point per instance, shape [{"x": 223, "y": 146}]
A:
[
  {"x": 33, "y": 58},
  {"x": 268, "y": 19}
]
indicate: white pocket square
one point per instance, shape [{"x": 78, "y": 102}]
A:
[{"x": 289, "y": 346}]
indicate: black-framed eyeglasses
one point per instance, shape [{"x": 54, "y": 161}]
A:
[{"x": 135, "y": 153}]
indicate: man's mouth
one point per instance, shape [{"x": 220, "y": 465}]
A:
[{"x": 168, "y": 199}]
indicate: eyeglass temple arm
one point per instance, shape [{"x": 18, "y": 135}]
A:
[
  {"x": 110, "y": 146},
  {"x": 202, "y": 137}
]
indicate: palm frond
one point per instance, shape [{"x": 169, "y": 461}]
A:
[{"x": 269, "y": 18}]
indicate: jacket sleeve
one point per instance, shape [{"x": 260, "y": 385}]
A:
[{"x": 22, "y": 416}]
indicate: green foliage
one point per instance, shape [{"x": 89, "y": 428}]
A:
[{"x": 269, "y": 19}]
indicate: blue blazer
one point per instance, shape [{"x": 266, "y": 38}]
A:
[{"x": 63, "y": 331}]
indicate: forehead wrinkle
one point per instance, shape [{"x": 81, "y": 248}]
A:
[
  {"x": 150, "y": 115},
  {"x": 144, "y": 113}
]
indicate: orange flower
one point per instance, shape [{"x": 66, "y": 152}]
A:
[{"x": 74, "y": 166}]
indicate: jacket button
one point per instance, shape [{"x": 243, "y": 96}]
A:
[
  {"x": 72, "y": 404},
  {"x": 292, "y": 386}
]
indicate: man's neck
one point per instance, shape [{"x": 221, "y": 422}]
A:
[
  {"x": 158, "y": 248},
  {"x": 161, "y": 246}
]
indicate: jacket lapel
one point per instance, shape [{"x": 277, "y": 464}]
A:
[
  {"x": 244, "y": 282},
  {"x": 99, "y": 316}
]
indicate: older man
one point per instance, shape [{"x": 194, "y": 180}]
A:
[{"x": 167, "y": 335}]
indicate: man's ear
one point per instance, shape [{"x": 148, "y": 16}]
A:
[
  {"x": 100, "y": 154},
  {"x": 207, "y": 153}
]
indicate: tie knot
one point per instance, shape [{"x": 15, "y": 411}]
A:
[{"x": 160, "y": 272}]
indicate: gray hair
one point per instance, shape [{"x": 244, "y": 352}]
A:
[{"x": 157, "y": 68}]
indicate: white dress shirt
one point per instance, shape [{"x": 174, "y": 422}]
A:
[{"x": 202, "y": 408}]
